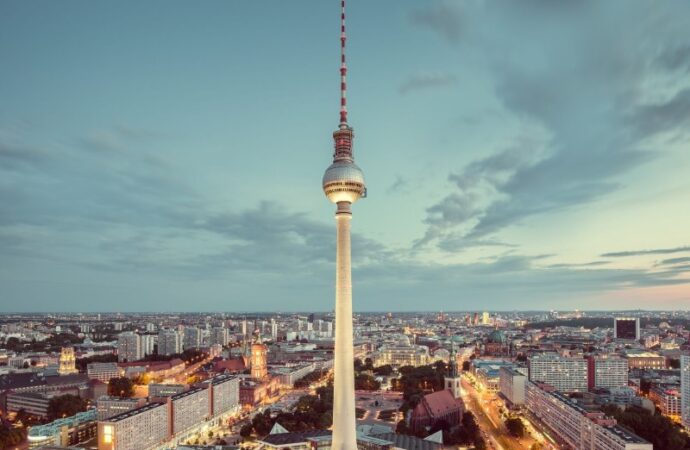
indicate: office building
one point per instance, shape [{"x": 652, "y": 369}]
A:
[
  {"x": 638, "y": 359},
  {"x": 169, "y": 342},
  {"x": 607, "y": 371},
  {"x": 579, "y": 428},
  {"x": 34, "y": 403},
  {"x": 566, "y": 374},
  {"x": 626, "y": 328},
  {"x": 129, "y": 347}
]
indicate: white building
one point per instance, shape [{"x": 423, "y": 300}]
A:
[
  {"x": 607, "y": 371},
  {"x": 139, "y": 429},
  {"x": 129, "y": 347},
  {"x": 148, "y": 343},
  {"x": 566, "y": 374},
  {"x": 578, "y": 428},
  {"x": 169, "y": 342},
  {"x": 189, "y": 409},
  {"x": 685, "y": 389},
  {"x": 512, "y": 384}
]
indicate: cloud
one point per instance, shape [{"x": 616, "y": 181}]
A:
[
  {"x": 670, "y": 115},
  {"x": 684, "y": 259},
  {"x": 656, "y": 251},
  {"x": 444, "y": 18},
  {"x": 426, "y": 81},
  {"x": 675, "y": 58},
  {"x": 578, "y": 93}
]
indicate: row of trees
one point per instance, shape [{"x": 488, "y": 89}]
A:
[{"x": 414, "y": 382}]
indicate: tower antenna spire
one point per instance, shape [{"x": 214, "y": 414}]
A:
[{"x": 343, "y": 68}]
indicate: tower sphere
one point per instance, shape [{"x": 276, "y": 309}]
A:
[{"x": 343, "y": 182}]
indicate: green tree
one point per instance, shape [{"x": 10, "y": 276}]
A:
[
  {"x": 121, "y": 387},
  {"x": 65, "y": 406},
  {"x": 515, "y": 427}
]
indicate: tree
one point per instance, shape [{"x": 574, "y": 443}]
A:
[
  {"x": 65, "y": 406},
  {"x": 121, "y": 387},
  {"x": 366, "y": 382},
  {"x": 368, "y": 364},
  {"x": 515, "y": 427},
  {"x": 384, "y": 370}
]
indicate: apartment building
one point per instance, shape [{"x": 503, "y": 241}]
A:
[
  {"x": 139, "y": 429},
  {"x": 565, "y": 374},
  {"x": 575, "y": 427}
]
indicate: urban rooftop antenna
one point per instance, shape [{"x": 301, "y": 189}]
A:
[{"x": 343, "y": 68}]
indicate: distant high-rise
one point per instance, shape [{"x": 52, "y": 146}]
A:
[
  {"x": 219, "y": 335},
  {"x": 129, "y": 347},
  {"x": 274, "y": 330},
  {"x": 626, "y": 328},
  {"x": 343, "y": 184},
  {"x": 169, "y": 342},
  {"x": 192, "y": 338}
]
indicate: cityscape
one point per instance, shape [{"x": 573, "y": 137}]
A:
[{"x": 513, "y": 276}]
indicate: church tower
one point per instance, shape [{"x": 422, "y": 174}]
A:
[{"x": 452, "y": 380}]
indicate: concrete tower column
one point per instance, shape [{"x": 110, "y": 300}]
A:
[{"x": 344, "y": 424}]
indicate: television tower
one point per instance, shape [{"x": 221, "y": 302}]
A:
[{"x": 343, "y": 184}]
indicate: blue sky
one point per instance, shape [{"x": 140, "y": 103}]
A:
[{"x": 167, "y": 156}]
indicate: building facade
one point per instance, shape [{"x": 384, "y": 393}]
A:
[
  {"x": 512, "y": 385},
  {"x": 103, "y": 372},
  {"x": 129, "y": 347},
  {"x": 139, "y": 429},
  {"x": 685, "y": 390},
  {"x": 565, "y": 374},
  {"x": 607, "y": 371},
  {"x": 576, "y": 428}
]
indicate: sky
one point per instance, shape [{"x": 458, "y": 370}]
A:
[{"x": 167, "y": 155}]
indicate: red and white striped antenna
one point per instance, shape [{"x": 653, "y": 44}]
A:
[{"x": 343, "y": 69}]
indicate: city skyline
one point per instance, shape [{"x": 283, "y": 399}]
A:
[{"x": 526, "y": 157}]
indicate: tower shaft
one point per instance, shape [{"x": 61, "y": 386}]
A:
[{"x": 344, "y": 424}]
